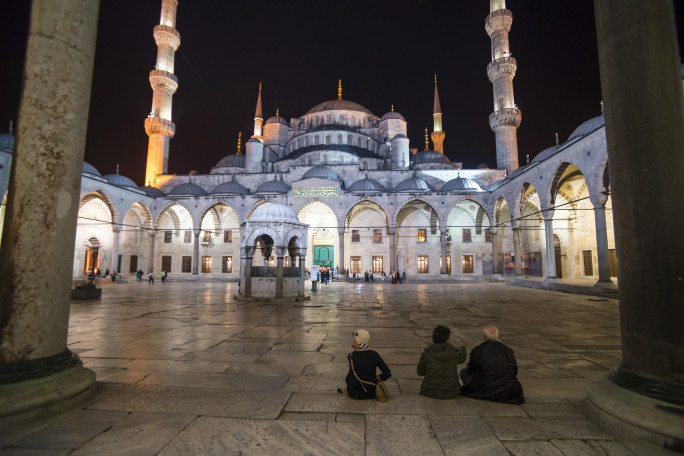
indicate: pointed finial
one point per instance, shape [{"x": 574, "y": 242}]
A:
[
  {"x": 601, "y": 106},
  {"x": 117, "y": 169},
  {"x": 339, "y": 89},
  {"x": 557, "y": 142},
  {"x": 392, "y": 108},
  {"x": 239, "y": 148},
  {"x": 528, "y": 159},
  {"x": 277, "y": 115},
  {"x": 427, "y": 147},
  {"x": 259, "y": 86},
  {"x": 435, "y": 78}
]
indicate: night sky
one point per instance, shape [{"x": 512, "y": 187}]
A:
[{"x": 385, "y": 52}]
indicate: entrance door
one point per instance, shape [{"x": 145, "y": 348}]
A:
[
  {"x": 557, "y": 252},
  {"x": 323, "y": 255},
  {"x": 166, "y": 263}
]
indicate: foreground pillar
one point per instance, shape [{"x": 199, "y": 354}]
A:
[
  {"x": 550, "y": 249},
  {"x": 495, "y": 251},
  {"x": 36, "y": 368},
  {"x": 602, "y": 241},
  {"x": 644, "y": 112},
  {"x": 517, "y": 251}
]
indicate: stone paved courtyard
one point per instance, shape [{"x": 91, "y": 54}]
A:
[{"x": 184, "y": 368}]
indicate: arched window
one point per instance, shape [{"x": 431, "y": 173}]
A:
[
  {"x": 327, "y": 139},
  {"x": 350, "y": 140},
  {"x": 360, "y": 143},
  {"x": 339, "y": 139},
  {"x": 364, "y": 165},
  {"x": 316, "y": 140}
]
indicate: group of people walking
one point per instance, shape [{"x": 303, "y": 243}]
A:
[
  {"x": 491, "y": 374},
  {"x": 150, "y": 276}
]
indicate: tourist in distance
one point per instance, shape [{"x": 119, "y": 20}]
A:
[
  {"x": 491, "y": 373},
  {"x": 439, "y": 364},
  {"x": 363, "y": 364},
  {"x": 150, "y": 278}
]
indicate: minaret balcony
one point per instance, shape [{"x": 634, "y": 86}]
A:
[
  {"x": 159, "y": 126},
  {"x": 163, "y": 79},
  {"x": 499, "y": 20},
  {"x": 503, "y": 66},
  {"x": 507, "y": 117},
  {"x": 167, "y": 36}
]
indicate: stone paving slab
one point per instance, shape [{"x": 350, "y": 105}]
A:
[
  {"x": 466, "y": 436},
  {"x": 400, "y": 434},
  {"x": 229, "y": 436}
]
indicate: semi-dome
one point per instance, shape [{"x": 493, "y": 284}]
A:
[
  {"x": 366, "y": 185},
  {"x": 276, "y": 119},
  {"x": 339, "y": 105},
  {"x": 231, "y": 161},
  {"x": 412, "y": 184},
  {"x": 229, "y": 188},
  {"x": 461, "y": 184},
  {"x": 90, "y": 169},
  {"x": 587, "y": 127},
  {"x": 392, "y": 115},
  {"x": 321, "y": 172},
  {"x": 273, "y": 186},
  {"x": 153, "y": 192},
  {"x": 273, "y": 212},
  {"x": 544, "y": 154},
  {"x": 189, "y": 189},
  {"x": 429, "y": 156},
  {"x": 120, "y": 181}
]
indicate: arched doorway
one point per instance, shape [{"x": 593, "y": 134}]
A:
[{"x": 92, "y": 255}]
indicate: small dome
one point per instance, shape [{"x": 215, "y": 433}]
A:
[
  {"x": 338, "y": 105},
  {"x": 90, "y": 169},
  {"x": 482, "y": 166},
  {"x": 544, "y": 154},
  {"x": 153, "y": 192},
  {"x": 231, "y": 161},
  {"x": 273, "y": 186},
  {"x": 429, "y": 156},
  {"x": 366, "y": 185},
  {"x": 413, "y": 184},
  {"x": 194, "y": 172},
  {"x": 272, "y": 212},
  {"x": 120, "y": 181},
  {"x": 588, "y": 126},
  {"x": 276, "y": 119},
  {"x": 231, "y": 188},
  {"x": 392, "y": 115},
  {"x": 461, "y": 184},
  {"x": 188, "y": 189},
  {"x": 321, "y": 172}
]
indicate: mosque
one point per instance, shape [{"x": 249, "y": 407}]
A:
[{"x": 339, "y": 187}]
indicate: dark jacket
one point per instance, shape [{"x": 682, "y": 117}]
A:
[
  {"x": 493, "y": 372},
  {"x": 439, "y": 365},
  {"x": 365, "y": 364}
]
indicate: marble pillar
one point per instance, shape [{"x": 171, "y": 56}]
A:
[
  {"x": 150, "y": 250},
  {"x": 302, "y": 273},
  {"x": 393, "y": 250},
  {"x": 195, "y": 252},
  {"x": 248, "y": 273},
  {"x": 550, "y": 249},
  {"x": 496, "y": 267},
  {"x": 115, "y": 249},
  {"x": 517, "y": 251},
  {"x": 340, "y": 240},
  {"x": 602, "y": 244},
  {"x": 641, "y": 80},
  {"x": 280, "y": 254},
  {"x": 442, "y": 242},
  {"x": 42, "y": 207}
]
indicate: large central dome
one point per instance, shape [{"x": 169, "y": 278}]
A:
[{"x": 339, "y": 105}]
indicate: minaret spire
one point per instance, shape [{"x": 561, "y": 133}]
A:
[
  {"x": 437, "y": 133},
  {"x": 239, "y": 147},
  {"x": 505, "y": 119},
  {"x": 258, "y": 118},
  {"x": 339, "y": 89},
  {"x": 158, "y": 125},
  {"x": 427, "y": 144}
]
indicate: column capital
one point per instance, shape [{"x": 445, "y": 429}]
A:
[
  {"x": 599, "y": 200},
  {"x": 116, "y": 228},
  {"x": 341, "y": 231},
  {"x": 197, "y": 231},
  {"x": 152, "y": 233}
]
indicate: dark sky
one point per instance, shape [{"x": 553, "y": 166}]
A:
[{"x": 385, "y": 52}]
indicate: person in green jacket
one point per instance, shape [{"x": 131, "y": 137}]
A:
[{"x": 439, "y": 364}]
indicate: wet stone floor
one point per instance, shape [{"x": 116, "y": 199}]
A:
[{"x": 185, "y": 368}]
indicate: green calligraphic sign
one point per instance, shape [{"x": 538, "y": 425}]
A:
[{"x": 309, "y": 192}]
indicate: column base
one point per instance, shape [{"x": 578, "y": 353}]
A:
[
  {"x": 636, "y": 416},
  {"x": 605, "y": 284},
  {"x": 551, "y": 279},
  {"x": 28, "y": 399}
]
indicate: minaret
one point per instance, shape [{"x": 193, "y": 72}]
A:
[
  {"x": 258, "y": 118},
  {"x": 158, "y": 125},
  {"x": 437, "y": 131},
  {"x": 505, "y": 119}
]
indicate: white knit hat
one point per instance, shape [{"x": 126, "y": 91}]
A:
[{"x": 361, "y": 336}]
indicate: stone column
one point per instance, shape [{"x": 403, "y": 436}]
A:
[
  {"x": 442, "y": 243},
  {"x": 495, "y": 251},
  {"x": 602, "y": 243},
  {"x": 644, "y": 112},
  {"x": 248, "y": 272},
  {"x": 279, "y": 271},
  {"x": 302, "y": 272},
  {"x": 36, "y": 368},
  {"x": 115, "y": 248},
  {"x": 550, "y": 249},
  {"x": 517, "y": 250},
  {"x": 195, "y": 252},
  {"x": 150, "y": 250},
  {"x": 393, "y": 249},
  {"x": 340, "y": 241}
]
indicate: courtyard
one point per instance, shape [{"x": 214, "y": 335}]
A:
[{"x": 185, "y": 368}]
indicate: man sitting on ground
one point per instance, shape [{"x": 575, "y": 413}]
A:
[
  {"x": 439, "y": 365},
  {"x": 492, "y": 372}
]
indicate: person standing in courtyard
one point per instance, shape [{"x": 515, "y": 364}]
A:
[
  {"x": 363, "y": 365},
  {"x": 492, "y": 371},
  {"x": 439, "y": 364},
  {"x": 150, "y": 278}
]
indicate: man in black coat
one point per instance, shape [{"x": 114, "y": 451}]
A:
[{"x": 492, "y": 372}]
